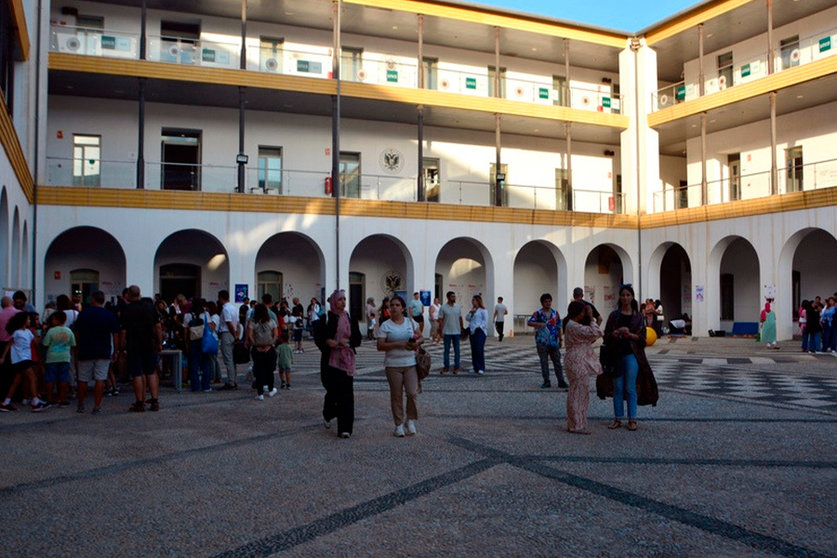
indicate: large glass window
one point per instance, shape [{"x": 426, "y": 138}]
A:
[
  {"x": 86, "y": 160},
  {"x": 181, "y": 155},
  {"x": 270, "y": 54},
  {"x": 432, "y": 181},
  {"x": 491, "y": 72},
  {"x": 431, "y": 73},
  {"x": 270, "y": 168},
  {"x": 560, "y": 91},
  {"x": 725, "y": 70},
  {"x": 790, "y": 52},
  {"x": 734, "y": 163},
  {"x": 793, "y": 156},
  {"x": 350, "y": 174},
  {"x": 351, "y": 63},
  {"x": 270, "y": 282}
]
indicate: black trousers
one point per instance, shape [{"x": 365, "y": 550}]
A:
[
  {"x": 339, "y": 399},
  {"x": 264, "y": 363},
  {"x": 499, "y": 326}
]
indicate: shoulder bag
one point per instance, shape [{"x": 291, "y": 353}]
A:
[
  {"x": 209, "y": 340},
  {"x": 422, "y": 358}
]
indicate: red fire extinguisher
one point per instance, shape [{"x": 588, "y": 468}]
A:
[{"x": 328, "y": 188}]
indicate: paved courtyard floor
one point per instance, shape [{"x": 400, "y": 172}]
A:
[{"x": 739, "y": 458}]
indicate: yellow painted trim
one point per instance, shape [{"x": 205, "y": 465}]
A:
[
  {"x": 159, "y": 70},
  {"x": 482, "y": 15},
  {"x": 796, "y": 201},
  {"x": 19, "y": 18},
  {"x": 14, "y": 152},
  {"x": 691, "y": 19},
  {"x": 762, "y": 86},
  {"x": 71, "y": 196},
  {"x": 482, "y": 104}
]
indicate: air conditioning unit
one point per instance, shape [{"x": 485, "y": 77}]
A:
[
  {"x": 68, "y": 42},
  {"x": 271, "y": 64}
]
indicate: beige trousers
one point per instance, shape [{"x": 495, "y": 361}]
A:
[{"x": 403, "y": 379}]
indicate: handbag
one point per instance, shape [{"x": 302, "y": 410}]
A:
[
  {"x": 609, "y": 358},
  {"x": 422, "y": 359},
  {"x": 196, "y": 329},
  {"x": 209, "y": 341}
]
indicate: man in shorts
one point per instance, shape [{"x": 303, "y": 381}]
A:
[
  {"x": 142, "y": 339},
  {"x": 97, "y": 335}
]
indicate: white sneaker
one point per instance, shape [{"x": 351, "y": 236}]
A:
[
  {"x": 260, "y": 398},
  {"x": 411, "y": 428},
  {"x": 481, "y": 372},
  {"x": 345, "y": 435},
  {"x": 272, "y": 392},
  {"x": 327, "y": 424},
  {"x": 264, "y": 389},
  {"x": 399, "y": 431}
]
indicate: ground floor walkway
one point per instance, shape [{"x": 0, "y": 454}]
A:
[{"x": 738, "y": 458}]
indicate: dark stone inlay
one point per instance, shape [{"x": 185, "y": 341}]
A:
[{"x": 336, "y": 521}]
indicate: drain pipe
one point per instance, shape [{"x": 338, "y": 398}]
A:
[
  {"x": 635, "y": 46},
  {"x": 36, "y": 175}
]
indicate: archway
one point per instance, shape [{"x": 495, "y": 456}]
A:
[
  {"x": 738, "y": 281},
  {"x": 539, "y": 267},
  {"x": 672, "y": 284},
  {"x": 380, "y": 265},
  {"x": 14, "y": 264},
  {"x": 290, "y": 265},
  {"x": 466, "y": 268},
  {"x": 192, "y": 263},
  {"x": 87, "y": 248},
  {"x": 607, "y": 267},
  {"x": 25, "y": 262},
  {"x": 4, "y": 239},
  {"x": 805, "y": 271}
]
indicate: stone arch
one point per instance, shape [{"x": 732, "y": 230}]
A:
[
  {"x": 733, "y": 277},
  {"x": 84, "y": 248},
  {"x": 466, "y": 268},
  {"x": 14, "y": 263},
  {"x": 193, "y": 263},
  {"x": 539, "y": 267},
  {"x": 607, "y": 267},
  {"x": 670, "y": 279},
  {"x": 380, "y": 265},
  {"x": 4, "y": 239},
  {"x": 300, "y": 262}
]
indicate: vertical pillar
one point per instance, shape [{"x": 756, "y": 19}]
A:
[
  {"x": 141, "y": 102},
  {"x": 770, "y": 55},
  {"x": 570, "y": 196},
  {"x": 335, "y": 138},
  {"x": 703, "y": 184},
  {"x": 499, "y": 176},
  {"x": 420, "y": 64},
  {"x": 774, "y": 174},
  {"x": 421, "y": 192},
  {"x": 242, "y": 100},
  {"x": 702, "y": 71}
]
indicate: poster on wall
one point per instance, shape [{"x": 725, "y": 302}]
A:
[
  {"x": 590, "y": 294},
  {"x": 425, "y": 298},
  {"x": 699, "y": 293},
  {"x": 608, "y": 299},
  {"x": 241, "y": 292}
]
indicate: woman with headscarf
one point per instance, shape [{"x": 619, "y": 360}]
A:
[
  {"x": 768, "y": 326},
  {"x": 336, "y": 337}
]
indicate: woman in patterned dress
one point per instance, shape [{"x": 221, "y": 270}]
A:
[{"x": 580, "y": 363}]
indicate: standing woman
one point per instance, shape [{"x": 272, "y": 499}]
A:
[
  {"x": 768, "y": 326},
  {"x": 398, "y": 337},
  {"x": 337, "y": 336},
  {"x": 478, "y": 329},
  {"x": 262, "y": 333},
  {"x": 580, "y": 363},
  {"x": 625, "y": 332}
]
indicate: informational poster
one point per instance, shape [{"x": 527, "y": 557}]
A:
[
  {"x": 770, "y": 292},
  {"x": 699, "y": 293},
  {"x": 241, "y": 292},
  {"x": 425, "y": 298}
]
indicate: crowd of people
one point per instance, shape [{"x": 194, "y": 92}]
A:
[{"x": 818, "y": 325}]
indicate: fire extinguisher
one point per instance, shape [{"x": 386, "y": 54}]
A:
[{"x": 328, "y": 188}]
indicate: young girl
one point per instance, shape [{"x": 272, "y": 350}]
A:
[
  {"x": 286, "y": 358},
  {"x": 20, "y": 348}
]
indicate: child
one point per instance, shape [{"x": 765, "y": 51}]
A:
[
  {"x": 58, "y": 340},
  {"x": 20, "y": 348},
  {"x": 298, "y": 326},
  {"x": 286, "y": 357}
]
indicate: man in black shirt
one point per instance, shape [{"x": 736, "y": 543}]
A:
[
  {"x": 578, "y": 294},
  {"x": 141, "y": 338}
]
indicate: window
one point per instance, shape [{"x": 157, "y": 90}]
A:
[
  {"x": 559, "y": 91},
  {"x": 350, "y": 174},
  {"x": 269, "y": 282},
  {"x": 270, "y": 54},
  {"x": 734, "y": 164},
  {"x": 7, "y": 55},
  {"x": 790, "y": 52},
  {"x": 727, "y": 297},
  {"x": 351, "y": 62},
  {"x": 725, "y": 70},
  {"x": 682, "y": 196},
  {"x": 180, "y": 278},
  {"x": 181, "y": 159},
  {"x": 793, "y": 156},
  {"x": 86, "y": 163},
  {"x": 178, "y": 41},
  {"x": 431, "y": 73},
  {"x": 90, "y": 22},
  {"x": 432, "y": 185},
  {"x": 270, "y": 168},
  {"x": 491, "y": 73}
]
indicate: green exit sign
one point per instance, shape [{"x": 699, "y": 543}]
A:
[
  {"x": 745, "y": 70},
  {"x": 108, "y": 42},
  {"x": 470, "y": 83},
  {"x": 825, "y": 44},
  {"x": 392, "y": 76},
  {"x": 543, "y": 93}
]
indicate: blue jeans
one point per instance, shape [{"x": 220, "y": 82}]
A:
[
  {"x": 455, "y": 340},
  {"x": 814, "y": 342},
  {"x": 627, "y": 381},
  {"x": 829, "y": 336},
  {"x": 200, "y": 375},
  {"x": 805, "y": 340},
  {"x": 547, "y": 353},
  {"x": 478, "y": 349}
]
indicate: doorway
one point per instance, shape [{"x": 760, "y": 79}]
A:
[
  {"x": 357, "y": 298},
  {"x": 179, "y": 278},
  {"x": 734, "y": 164},
  {"x": 181, "y": 159},
  {"x": 84, "y": 282},
  {"x": 432, "y": 185}
]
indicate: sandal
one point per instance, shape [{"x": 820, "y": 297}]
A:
[
  {"x": 632, "y": 425},
  {"x": 615, "y": 424}
]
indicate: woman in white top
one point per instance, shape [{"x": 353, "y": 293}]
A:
[
  {"x": 398, "y": 337},
  {"x": 478, "y": 327}
]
